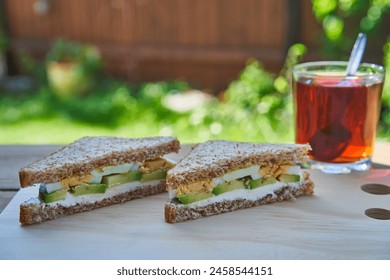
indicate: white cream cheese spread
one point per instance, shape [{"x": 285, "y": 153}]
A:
[
  {"x": 251, "y": 195},
  {"x": 71, "y": 200},
  {"x": 248, "y": 194}
]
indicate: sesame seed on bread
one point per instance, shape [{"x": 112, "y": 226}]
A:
[
  {"x": 89, "y": 153},
  {"x": 213, "y": 159}
]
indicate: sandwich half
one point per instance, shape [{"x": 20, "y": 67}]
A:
[
  {"x": 222, "y": 176},
  {"x": 95, "y": 172}
]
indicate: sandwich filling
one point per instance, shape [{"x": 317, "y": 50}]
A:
[
  {"x": 105, "y": 182},
  {"x": 249, "y": 183}
]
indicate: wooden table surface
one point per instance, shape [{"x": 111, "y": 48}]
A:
[
  {"x": 12, "y": 158},
  {"x": 335, "y": 227}
]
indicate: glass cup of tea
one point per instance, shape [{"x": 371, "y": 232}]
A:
[{"x": 337, "y": 114}]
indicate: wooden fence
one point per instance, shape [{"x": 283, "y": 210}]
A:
[{"x": 206, "y": 42}]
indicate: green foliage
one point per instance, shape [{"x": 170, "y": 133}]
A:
[
  {"x": 116, "y": 108},
  {"x": 105, "y": 107},
  {"x": 384, "y": 124},
  {"x": 3, "y": 36},
  {"x": 252, "y": 86},
  {"x": 110, "y": 105},
  {"x": 109, "y": 109},
  {"x": 256, "y": 107},
  {"x": 72, "y": 67},
  {"x": 294, "y": 56},
  {"x": 254, "y": 96},
  {"x": 342, "y": 20},
  {"x": 32, "y": 67},
  {"x": 85, "y": 55}
]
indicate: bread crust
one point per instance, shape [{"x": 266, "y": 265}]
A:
[
  {"x": 86, "y": 154},
  {"x": 213, "y": 159},
  {"x": 40, "y": 212},
  {"x": 175, "y": 212}
]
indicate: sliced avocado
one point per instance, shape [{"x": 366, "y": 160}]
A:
[
  {"x": 229, "y": 186},
  {"x": 54, "y": 196},
  {"x": 118, "y": 179},
  {"x": 289, "y": 178},
  {"x": 155, "y": 175},
  {"x": 89, "y": 189},
  {"x": 253, "y": 184},
  {"x": 192, "y": 197}
]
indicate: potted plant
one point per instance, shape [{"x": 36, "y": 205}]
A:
[{"x": 72, "y": 67}]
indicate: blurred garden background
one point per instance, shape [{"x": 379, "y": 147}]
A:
[{"x": 199, "y": 70}]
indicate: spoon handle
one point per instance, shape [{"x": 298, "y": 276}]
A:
[{"x": 356, "y": 54}]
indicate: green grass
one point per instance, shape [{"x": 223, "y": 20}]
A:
[
  {"x": 61, "y": 131},
  {"x": 254, "y": 109}
]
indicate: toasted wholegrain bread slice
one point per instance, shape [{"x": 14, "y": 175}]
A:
[
  {"x": 34, "y": 211},
  {"x": 81, "y": 158},
  {"x": 89, "y": 153},
  {"x": 213, "y": 159}
]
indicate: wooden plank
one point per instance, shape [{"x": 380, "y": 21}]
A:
[
  {"x": 118, "y": 11},
  {"x": 52, "y": 19},
  {"x": 309, "y": 27},
  {"x": 79, "y": 26},
  {"x": 69, "y": 20},
  {"x": 253, "y": 11},
  {"x": 105, "y": 22},
  {"x": 160, "y": 24},
  {"x": 130, "y": 24},
  {"x": 271, "y": 14},
  {"x": 293, "y": 10},
  {"x": 247, "y": 28},
  {"x": 281, "y": 27},
  {"x": 147, "y": 62},
  {"x": 329, "y": 225},
  {"x": 228, "y": 23},
  {"x": 98, "y": 21},
  {"x": 16, "y": 10},
  {"x": 47, "y": 23}
]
